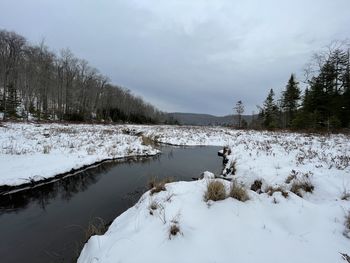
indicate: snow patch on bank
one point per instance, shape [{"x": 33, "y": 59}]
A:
[
  {"x": 32, "y": 152},
  {"x": 258, "y": 230}
]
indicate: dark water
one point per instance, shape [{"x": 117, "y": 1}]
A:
[{"x": 48, "y": 224}]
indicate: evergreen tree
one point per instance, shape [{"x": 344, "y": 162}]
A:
[
  {"x": 290, "y": 101},
  {"x": 270, "y": 111}
]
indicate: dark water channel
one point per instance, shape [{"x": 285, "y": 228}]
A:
[{"x": 48, "y": 224}]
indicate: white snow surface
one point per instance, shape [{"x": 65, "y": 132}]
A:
[
  {"x": 267, "y": 228},
  {"x": 31, "y": 152}
]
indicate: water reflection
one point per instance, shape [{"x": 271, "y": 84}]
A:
[
  {"x": 46, "y": 223},
  {"x": 67, "y": 187}
]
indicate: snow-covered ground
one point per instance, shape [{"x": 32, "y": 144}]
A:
[
  {"x": 279, "y": 223},
  {"x": 189, "y": 135},
  {"x": 32, "y": 152}
]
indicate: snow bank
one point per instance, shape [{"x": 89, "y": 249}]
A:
[
  {"x": 31, "y": 152},
  {"x": 301, "y": 227},
  {"x": 189, "y": 135},
  {"x": 258, "y": 230}
]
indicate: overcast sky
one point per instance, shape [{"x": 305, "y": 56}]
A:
[{"x": 190, "y": 55}]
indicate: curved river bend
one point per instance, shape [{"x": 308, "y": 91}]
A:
[{"x": 48, "y": 224}]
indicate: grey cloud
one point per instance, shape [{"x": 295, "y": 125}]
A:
[{"x": 198, "y": 56}]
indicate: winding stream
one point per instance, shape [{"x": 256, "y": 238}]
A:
[{"x": 48, "y": 224}]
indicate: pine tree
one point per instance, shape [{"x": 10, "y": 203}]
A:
[
  {"x": 290, "y": 100},
  {"x": 270, "y": 111}
]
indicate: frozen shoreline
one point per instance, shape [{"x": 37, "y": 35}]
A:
[{"x": 34, "y": 152}]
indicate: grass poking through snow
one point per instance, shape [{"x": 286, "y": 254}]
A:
[
  {"x": 238, "y": 192},
  {"x": 215, "y": 191},
  {"x": 157, "y": 186}
]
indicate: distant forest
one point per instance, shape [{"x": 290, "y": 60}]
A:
[
  {"x": 324, "y": 104},
  {"x": 37, "y": 83}
]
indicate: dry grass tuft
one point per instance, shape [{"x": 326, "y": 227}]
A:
[
  {"x": 271, "y": 190},
  {"x": 46, "y": 149},
  {"x": 290, "y": 178},
  {"x": 345, "y": 195},
  {"x": 147, "y": 140},
  {"x": 152, "y": 207},
  {"x": 174, "y": 230},
  {"x": 95, "y": 227},
  {"x": 256, "y": 186},
  {"x": 157, "y": 186},
  {"x": 346, "y": 257},
  {"x": 301, "y": 185},
  {"x": 347, "y": 225},
  {"x": 238, "y": 192},
  {"x": 215, "y": 191}
]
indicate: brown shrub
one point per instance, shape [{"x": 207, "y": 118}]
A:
[
  {"x": 302, "y": 185},
  {"x": 157, "y": 186},
  {"x": 215, "y": 191},
  {"x": 238, "y": 192},
  {"x": 271, "y": 190}
]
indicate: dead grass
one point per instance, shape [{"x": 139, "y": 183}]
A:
[
  {"x": 291, "y": 177},
  {"x": 271, "y": 190},
  {"x": 302, "y": 185},
  {"x": 147, "y": 140},
  {"x": 156, "y": 185},
  {"x": 95, "y": 227},
  {"x": 346, "y": 257},
  {"x": 256, "y": 186},
  {"x": 238, "y": 192},
  {"x": 345, "y": 195},
  {"x": 347, "y": 225},
  {"x": 174, "y": 230},
  {"x": 215, "y": 191},
  {"x": 152, "y": 207},
  {"x": 46, "y": 149}
]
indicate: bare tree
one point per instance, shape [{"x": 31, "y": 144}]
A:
[{"x": 239, "y": 109}]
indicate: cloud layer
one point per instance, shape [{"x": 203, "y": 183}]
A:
[{"x": 188, "y": 56}]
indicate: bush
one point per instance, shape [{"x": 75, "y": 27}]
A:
[
  {"x": 302, "y": 185},
  {"x": 215, "y": 191},
  {"x": 157, "y": 186},
  {"x": 238, "y": 192}
]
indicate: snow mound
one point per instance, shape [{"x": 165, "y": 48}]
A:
[{"x": 259, "y": 230}]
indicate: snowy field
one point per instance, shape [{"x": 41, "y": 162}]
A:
[
  {"x": 298, "y": 210},
  {"x": 32, "y": 152},
  {"x": 297, "y": 186}
]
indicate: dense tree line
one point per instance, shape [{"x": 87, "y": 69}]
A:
[
  {"x": 34, "y": 81},
  {"x": 325, "y": 102}
]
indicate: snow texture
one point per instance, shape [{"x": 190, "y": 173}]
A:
[
  {"x": 32, "y": 152},
  {"x": 269, "y": 227}
]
